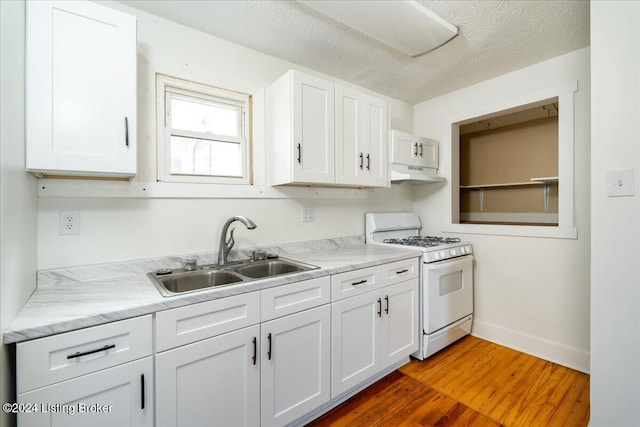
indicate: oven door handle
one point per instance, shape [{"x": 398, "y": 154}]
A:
[{"x": 449, "y": 264}]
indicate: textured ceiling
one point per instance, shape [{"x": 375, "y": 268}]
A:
[{"x": 496, "y": 37}]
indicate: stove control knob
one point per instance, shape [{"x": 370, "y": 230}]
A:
[
  {"x": 462, "y": 250},
  {"x": 442, "y": 254},
  {"x": 453, "y": 252},
  {"x": 468, "y": 248},
  {"x": 436, "y": 255}
]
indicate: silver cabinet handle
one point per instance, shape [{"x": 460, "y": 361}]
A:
[
  {"x": 421, "y": 149},
  {"x": 361, "y": 160},
  {"x": 379, "y": 307},
  {"x": 299, "y": 153},
  {"x": 269, "y": 348},
  {"x": 368, "y": 162},
  {"x": 386, "y": 298},
  {"x": 415, "y": 148}
]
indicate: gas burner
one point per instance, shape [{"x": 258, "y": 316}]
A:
[{"x": 422, "y": 241}]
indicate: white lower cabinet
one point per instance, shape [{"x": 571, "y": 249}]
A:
[
  {"x": 118, "y": 396},
  {"x": 295, "y": 365},
  {"x": 371, "y": 332},
  {"x": 210, "y": 382}
]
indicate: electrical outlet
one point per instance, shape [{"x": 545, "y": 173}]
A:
[
  {"x": 69, "y": 222},
  {"x": 307, "y": 214}
]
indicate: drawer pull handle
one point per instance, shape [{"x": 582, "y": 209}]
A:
[
  {"x": 359, "y": 283},
  {"x": 402, "y": 271},
  {"x": 299, "y": 159},
  {"x": 379, "y": 307},
  {"x": 255, "y": 350},
  {"x": 269, "y": 348},
  {"x": 386, "y": 298},
  {"x": 85, "y": 353},
  {"x": 142, "y": 391},
  {"x": 421, "y": 150}
]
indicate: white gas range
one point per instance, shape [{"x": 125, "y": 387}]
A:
[{"x": 446, "y": 277}]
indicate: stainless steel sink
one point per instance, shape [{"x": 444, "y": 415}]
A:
[
  {"x": 173, "y": 282},
  {"x": 268, "y": 268}
]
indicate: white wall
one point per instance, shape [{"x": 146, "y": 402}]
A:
[
  {"x": 119, "y": 229},
  {"x": 17, "y": 189},
  {"x": 615, "y": 225},
  {"x": 530, "y": 293}
]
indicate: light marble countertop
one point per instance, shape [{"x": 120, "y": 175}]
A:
[{"x": 78, "y": 297}]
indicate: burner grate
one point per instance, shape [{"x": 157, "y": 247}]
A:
[{"x": 423, "y": 241}]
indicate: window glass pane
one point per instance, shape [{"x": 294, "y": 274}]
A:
[
  {"x": 191, "y": 156},
  {"x": 197, "y": 116}
]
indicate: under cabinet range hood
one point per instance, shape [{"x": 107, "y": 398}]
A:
[
  {"x": 414, "y": 159},
  {"x": 412, "y": 175}
]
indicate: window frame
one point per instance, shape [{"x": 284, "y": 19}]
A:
[
  {"x": 168, "y": 87},
  {"x": 566, "y": 225}
]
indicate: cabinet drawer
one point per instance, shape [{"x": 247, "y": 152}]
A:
[
  {"x": 185, "y": 325},
  {"x": 355, "y": 282},
  {"x": 399, "y": 271},
  {"x": 61, "y": 357},
  {"x": 289, "y": 299}
]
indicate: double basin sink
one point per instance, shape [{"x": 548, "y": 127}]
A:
[{"x": 177, "y": 281}]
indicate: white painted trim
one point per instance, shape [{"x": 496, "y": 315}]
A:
[
  {"x": 171, "y": 190},
  {"x": 513, "y": 230},
  {"x": 566, "y": 226},
  {"x": 571, "y": 357}
]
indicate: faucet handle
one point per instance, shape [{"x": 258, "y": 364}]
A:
[{"x": 258, "y": 255}]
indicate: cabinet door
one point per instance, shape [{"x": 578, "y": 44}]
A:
[
  {"x": 400, "y": 326},
  {"x": 313, "y": 130},
  {"x": 295, "y": 365},
  {"x": 350, "y": 155},
  {"x": 81, "y": 89},
  {"x": 405, "y": 148},
  {"x": 212, "y": 381},
  {"x": 375, "y": 125},
  {"x": 355, "y": 326},
  {"x": 119, "y": 396}
]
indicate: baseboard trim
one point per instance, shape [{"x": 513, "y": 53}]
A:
[{"x": 571, "y": 357}]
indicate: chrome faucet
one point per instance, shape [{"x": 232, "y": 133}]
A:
[{"x": 226, "y": 245}]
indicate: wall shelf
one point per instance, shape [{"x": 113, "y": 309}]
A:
[{"x": 546, "y": 182}]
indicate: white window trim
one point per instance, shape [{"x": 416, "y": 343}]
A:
[
  {"x": 566, "y": 226},
  {"x": 208, "y": 93}
]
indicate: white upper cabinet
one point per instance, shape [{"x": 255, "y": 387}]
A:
[
  {"x": 301, "y": 130},
  {"x": 81, "y": 89},
  {"x": 361, "y": 139},
  {"x": 414, "y": 150},
  {"x": 321, "y": 133}
]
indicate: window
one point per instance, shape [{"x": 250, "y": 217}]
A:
[{"x": 202, "y": 133}]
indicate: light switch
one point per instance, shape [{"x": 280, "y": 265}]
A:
[{"x": 620, "y": 183}]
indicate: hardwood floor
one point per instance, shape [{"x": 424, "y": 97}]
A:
[{"x": 471, "y": 383}]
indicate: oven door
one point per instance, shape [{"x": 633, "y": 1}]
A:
[{"x": 447, "y": 292}]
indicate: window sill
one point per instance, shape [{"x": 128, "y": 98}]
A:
[{"x": 514, "y": 230}]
